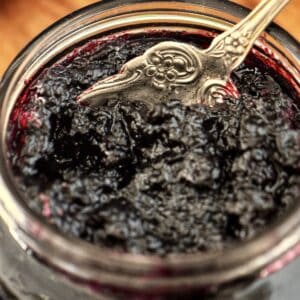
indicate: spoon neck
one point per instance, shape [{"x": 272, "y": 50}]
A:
[
  {"x": 256, "y": 22},
  {"x": 235, "y": 44}
]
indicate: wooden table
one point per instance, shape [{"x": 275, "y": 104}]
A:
[{"x": 21, "y": 20}]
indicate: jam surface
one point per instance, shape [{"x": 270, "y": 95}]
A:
[{"x": 171, "y": 179}]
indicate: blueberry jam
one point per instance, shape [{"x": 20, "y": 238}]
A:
[{"x": 170, "y": 179}]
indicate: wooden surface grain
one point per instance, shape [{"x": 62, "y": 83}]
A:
[{"x": 22, "y": 20}]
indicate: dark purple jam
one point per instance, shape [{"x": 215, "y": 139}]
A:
[{"x": 171, "y": 179}]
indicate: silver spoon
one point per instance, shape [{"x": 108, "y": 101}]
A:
[{"x": 171, "y": 70}]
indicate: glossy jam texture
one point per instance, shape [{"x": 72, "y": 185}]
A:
[{"x": 172, "y": 179}]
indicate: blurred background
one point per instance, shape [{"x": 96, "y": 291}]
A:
[{"x": 22, "y": 20}]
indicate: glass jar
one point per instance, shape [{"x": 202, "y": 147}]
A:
[{"x": 38, "y": 262}]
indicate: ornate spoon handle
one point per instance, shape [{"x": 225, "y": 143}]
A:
[
  {"x": 234, "y": 44},
  {"x": 182, "y": 71}
]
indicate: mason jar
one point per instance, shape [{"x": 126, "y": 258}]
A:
[{"x": 39, "y": 262}]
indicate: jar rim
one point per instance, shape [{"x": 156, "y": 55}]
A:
[{"x": 73, "y": 255}]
